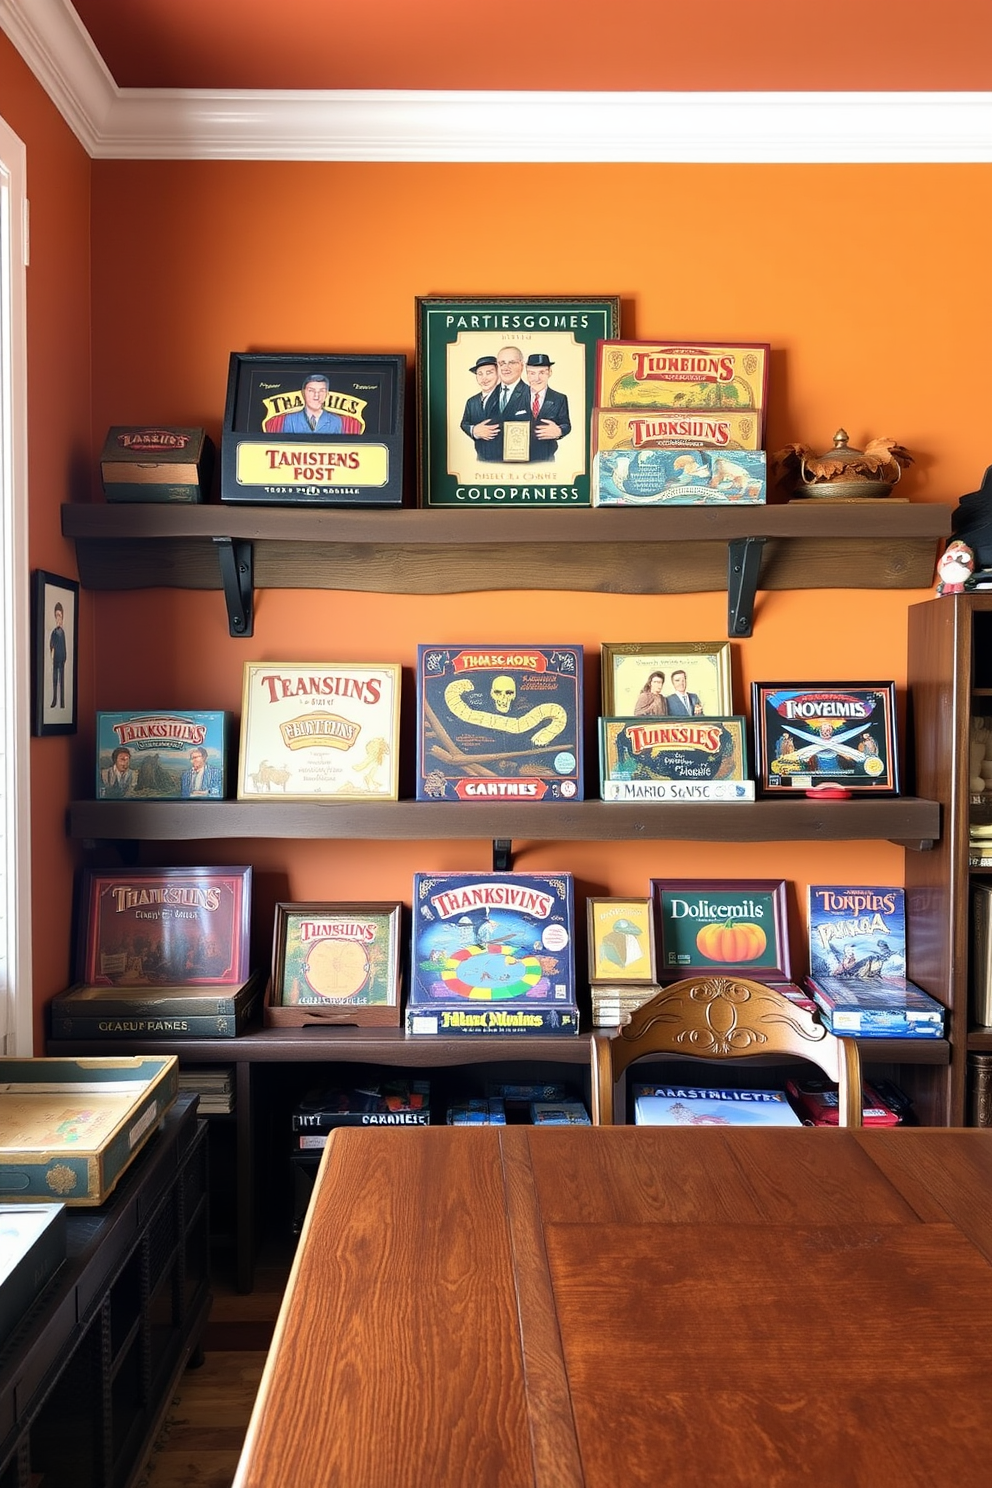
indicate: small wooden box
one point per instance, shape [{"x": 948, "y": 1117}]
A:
[
  {"x": 157, "y": 464},
  {"x": 70, "y": 1127}
]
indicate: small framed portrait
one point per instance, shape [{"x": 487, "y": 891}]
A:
[
  {"x": 621, "y": 942},
  {"x": 734, "y": 927},
  {"x": 666, "y": 679},
  {"x": 505, "y": 397},
  {"x": 55, "y": 650},
  {"x": 336, "y": 963},
  {"x": 314, "y": 430},
  {"x": 838, "y": 734}
]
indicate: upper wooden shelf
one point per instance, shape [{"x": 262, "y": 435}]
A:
[
  {"x": 802, "y": 545},
  {"x": 904, "y": 819}
]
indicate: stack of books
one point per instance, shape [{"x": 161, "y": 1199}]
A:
[{"x": 214, "y": 1084}]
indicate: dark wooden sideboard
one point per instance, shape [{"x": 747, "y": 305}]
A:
[{"x": 86, "y": 1376}]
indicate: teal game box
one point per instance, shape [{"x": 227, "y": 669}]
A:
[{"x": 159, "y": 755}]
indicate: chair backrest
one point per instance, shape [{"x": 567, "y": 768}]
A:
[{"x": 720, "y": 1017}]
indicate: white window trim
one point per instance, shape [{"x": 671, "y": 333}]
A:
[{"x": 16, "y": 1011}]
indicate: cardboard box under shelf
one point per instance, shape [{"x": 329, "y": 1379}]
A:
[{"x": 70, "y": 1127}]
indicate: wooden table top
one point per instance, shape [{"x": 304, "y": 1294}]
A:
[{"x": 613, "y": 1306}]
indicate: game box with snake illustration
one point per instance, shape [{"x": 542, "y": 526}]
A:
[
  {"x": 499, "y": 722},
  {"x": 492, "y": 953}
]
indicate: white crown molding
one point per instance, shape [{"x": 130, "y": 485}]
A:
[{"x": 202, "y": 124}]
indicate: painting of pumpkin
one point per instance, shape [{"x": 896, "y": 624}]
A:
[{"x": 731, "y": 942}]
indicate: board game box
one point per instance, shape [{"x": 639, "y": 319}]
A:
[
  {"x": 857, "y": 932},
  {"x": 691, "y": 1105},
  {"x": 662, "y": 429},
  {"x": 811, "y": 733},
  {"x": 70, "y": 1127},
  {"x": 492, "y": 953},
  {"x": 817, "y": 1101},
  {"x": 678, "y": 477},
  {"x": 161, "y": 755},
  {"x": 873, "y": 1010},
  {"x": 689, "y": 376},
  {"x": 32, "y": 1248},
  {"x": 687, "y": 751},
  {"x": 499, "y": 723},
  {"x": 157, "y": 464},
  {"x": 324, "y": 731},
  {"x": 727, "y": 927}
]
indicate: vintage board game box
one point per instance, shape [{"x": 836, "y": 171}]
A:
[
  {"x": 151, "y": 928},
  {"x": 662, "y": 429},
  {"x": 499, "y": 722},
  {"x": 492, "y": 953},
  {"x": 728, "y": 927},
  {"x": 70, "y": 1127},
  {"x": 689, "y": 376},
  {"x": 314, "y": 430},
  {"x": 161, "y": 755},
  {"x": 376, "y": 1103},
  {"x": 156, "y": 1013},
  {"x": 686, "y": 751},
  {"x": 858, "y": 932},
  {"x": 692, "y": 1105},
  {"x": 335, "y": 963},
  {"x": 678, "y": 477},
  {"x": 812, "y": 733},
  {"x": 157, "y": 464},
  {"x": 871, "y": 1010},
  {"x": 817, "y": 1102},
  {"x": 320, "y": 731},
  {"x": 32, "y": 1248}
]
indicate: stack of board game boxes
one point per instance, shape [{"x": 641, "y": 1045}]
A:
[{"x": 679, "y": 424}]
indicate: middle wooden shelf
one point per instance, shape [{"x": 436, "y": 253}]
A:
[{"x": 908, "y": 820}]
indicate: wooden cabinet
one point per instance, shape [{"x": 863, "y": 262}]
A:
[
  {"x": 87, "y": 1375},
  {"x": 950, "y": 682}
]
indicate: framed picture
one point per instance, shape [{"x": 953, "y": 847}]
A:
[
  {"x": 313, "y": 430},
  {"x": 164, "y": 927},
  {"x": 645, "y": 679},
  {"x": 319, "y": 731},
  {"x": 621, "y": 941},
  {"x": 735, "y": 927},
  {"x": 337, "y": 963},
  {"x": 505, "y": 396},
  {"x": 809, "y": 734},
  {"x": 55, "y": 649}
]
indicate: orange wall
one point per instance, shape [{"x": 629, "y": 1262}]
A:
[
  {"x": 847, "y": 44},
  {"x": 870, "y": 283},
  {"x": 59, "y": 460}
]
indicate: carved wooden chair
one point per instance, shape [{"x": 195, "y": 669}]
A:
[{"x": 721, "y": 1017}]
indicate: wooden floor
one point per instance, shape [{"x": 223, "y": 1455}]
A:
[{"x": 201, "y": 1438}]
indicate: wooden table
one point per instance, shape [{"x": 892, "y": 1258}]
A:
[{"x": 605, "y": 1307}]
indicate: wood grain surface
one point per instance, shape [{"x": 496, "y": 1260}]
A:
[{"x": 675, "y": 1308}]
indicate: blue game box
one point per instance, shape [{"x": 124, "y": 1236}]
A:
[
  {"x": 499, "y": 722},
  {"x": 160, "y": 755},
  {"x": 492, "y": 953}
]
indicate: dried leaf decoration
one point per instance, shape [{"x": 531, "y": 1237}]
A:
[{"x": 872, "y": 463}]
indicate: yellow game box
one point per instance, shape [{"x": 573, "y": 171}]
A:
[
  {"x": 691, "y": 376},
  {"x": 664, "y": 428}
]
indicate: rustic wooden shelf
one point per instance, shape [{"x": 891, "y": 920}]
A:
[
  {"x": 807, "y": 545},
  {"x": 903, "y": 819}
]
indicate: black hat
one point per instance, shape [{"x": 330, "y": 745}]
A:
[
  {"x": 483, "y": 362},
  {"x": 539, "y": 359}
]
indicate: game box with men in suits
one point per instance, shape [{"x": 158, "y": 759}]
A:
[{"x": 160, "y": 755}]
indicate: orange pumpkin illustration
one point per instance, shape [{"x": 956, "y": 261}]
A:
[{"x": 731, "y": 942}]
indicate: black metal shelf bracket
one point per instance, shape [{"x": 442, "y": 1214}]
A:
[
  {"x": 743, "y": 564},
  {"x": 502, "y": 855},
  {"x": 237, "y": 576}
]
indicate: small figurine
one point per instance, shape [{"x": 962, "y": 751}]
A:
[{"x": 956, "y": 565}]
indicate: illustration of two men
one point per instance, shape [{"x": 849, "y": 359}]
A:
[{"x": 514, "y": 393}]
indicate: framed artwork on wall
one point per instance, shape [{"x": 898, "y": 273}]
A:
[
  {"x": 55, "y": 650},
  {"x": 681, "y": 679}
]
